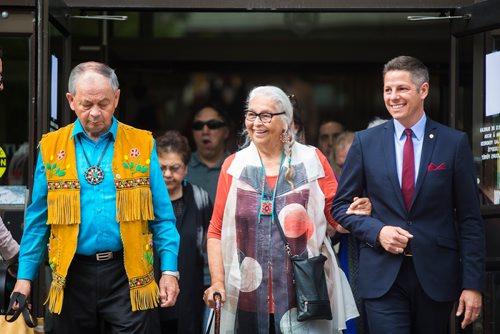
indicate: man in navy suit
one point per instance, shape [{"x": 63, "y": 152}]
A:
[{"x": 423, "y": 247}]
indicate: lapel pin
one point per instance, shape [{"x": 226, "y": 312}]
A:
[{"x": 431, "y": 136}]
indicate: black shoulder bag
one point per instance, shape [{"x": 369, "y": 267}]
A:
[{"x": 309, "y": 279}]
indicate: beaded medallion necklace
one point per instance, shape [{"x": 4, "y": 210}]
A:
[
  {"x": 94, "y": 174},
  {"x": 267, "y": 206}
]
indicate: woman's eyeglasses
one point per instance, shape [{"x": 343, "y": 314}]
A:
[
  {"x": 265, "y": 117},
  {"x": 211, "y": 124},
  {"x": 172, "y": 168}
]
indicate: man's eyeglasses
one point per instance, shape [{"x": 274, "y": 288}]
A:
[
  {"x": 265, "y": 117},
  {"x": 172, "y": 168},
  {"x": 211, "y": 124}
]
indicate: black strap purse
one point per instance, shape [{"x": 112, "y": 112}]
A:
[
  {"x": 23, "y": 309},
  {"x": 313, "y": 302}
]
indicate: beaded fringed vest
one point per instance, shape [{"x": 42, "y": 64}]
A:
[{"x": 134, "y": 207}]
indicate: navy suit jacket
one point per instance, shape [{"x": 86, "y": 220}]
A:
[{"x": 448, "y": 233}]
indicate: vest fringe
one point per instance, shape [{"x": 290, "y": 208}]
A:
[
  {"x": 55, "y": 298},
  {"x": 63, "y": 207},
  {"x": 134, "y": 209},
  {"x": 145, "y": 297},
  {"x": 134, "y": 204}
]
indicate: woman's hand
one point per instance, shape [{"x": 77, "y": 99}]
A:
[
  {"x": 208, "y": 295},
  {"x": 340, "y": 229},
  {"x": 360, "y": 206}
]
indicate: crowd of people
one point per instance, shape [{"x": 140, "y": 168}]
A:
[{"x": 132, "y": 223}]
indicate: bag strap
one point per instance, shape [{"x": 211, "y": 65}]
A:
[
  {"x": 283, "y": 237},
  {"x": 23, "y": 308}
]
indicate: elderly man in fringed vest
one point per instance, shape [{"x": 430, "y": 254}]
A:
[{"x": 99, "y": 205}]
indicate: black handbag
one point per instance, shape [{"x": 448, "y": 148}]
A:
[{"x": 313, "y": 302}]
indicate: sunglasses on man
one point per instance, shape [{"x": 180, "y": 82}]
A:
[{"x": 211, "y": 124}]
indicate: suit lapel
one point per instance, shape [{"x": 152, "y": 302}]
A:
[
  {"x": 429, "y": 140},
  {"x": 390, "y": 160}
]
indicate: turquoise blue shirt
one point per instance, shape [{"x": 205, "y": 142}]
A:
[
  {"x": 99, "y": 230},
  {"x": 399, "y": 142}
]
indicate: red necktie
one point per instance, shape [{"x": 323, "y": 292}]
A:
[{"x": 408, "y": 176}]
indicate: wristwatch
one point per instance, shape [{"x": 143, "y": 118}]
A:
[{"x": 172, "y": 273}]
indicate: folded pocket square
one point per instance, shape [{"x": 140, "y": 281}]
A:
[{"x": 433, "y": 167}]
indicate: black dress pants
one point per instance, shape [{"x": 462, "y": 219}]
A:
[{"x": 97, "y": 300}]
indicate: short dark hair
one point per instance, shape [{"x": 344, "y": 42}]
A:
[
  {"x": 173, "y": 142},
  {"x": 331, "y": 120},
  {"x": 218, "y": 107},
  {"x": 418, "y": 71}
]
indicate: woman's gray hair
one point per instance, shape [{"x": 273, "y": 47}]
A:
[
  {"x": 92, "y": 66},
  {"x": 277, "y": 95},
  {"x": 284, "y": 104}
]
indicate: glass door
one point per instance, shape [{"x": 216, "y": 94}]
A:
[{"x": 475, "y": 99}]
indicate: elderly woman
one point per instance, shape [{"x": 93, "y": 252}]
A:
[
  {"x": 192, "y": 209},
  {"x": 273, "y": 180}
]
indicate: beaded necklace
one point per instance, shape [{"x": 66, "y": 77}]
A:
[
  {"x": 267, "y": 206},
  {"x": 94, "y": 174}
]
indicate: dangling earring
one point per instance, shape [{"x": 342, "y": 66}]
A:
[
  {"x": 285, "y": 137},
  {"x": 184, "y": 181}
]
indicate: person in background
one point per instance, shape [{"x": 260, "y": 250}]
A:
[
  {"x": 297, "y": 125},
  {"x": 340, "y": 149},
  {"x": 273, "y": 180},
  {"x": 376, "y": 121},
  {"x": 9, "y": 248},
  {"x": 99, "y": 204},
  {"x": 347, "y": 243},
  {"x": 192, "y": 209},
  {"x": 423, "y": 247},
  {"x": 327, "y": 134},
  {"x": 210, "y": 132}
]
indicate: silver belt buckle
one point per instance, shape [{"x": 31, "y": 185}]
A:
[{"x": 104, "y": 256}]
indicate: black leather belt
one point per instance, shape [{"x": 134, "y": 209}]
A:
[{"x": 100, "y": 257}]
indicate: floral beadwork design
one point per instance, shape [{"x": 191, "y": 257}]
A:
[
  {"x": 52, "y": 263},
  {"x": 135, "y": 166},
  {"x": 61, "y": 154},
  {"x": 266, "y": 208},
  {"x": 54, "y": 169},
  {"x": 137, "y": 282},
  {"x": 59, "y": 280},
  {"x": 134, "y": 153},
  {"x": 131, "y": 183},
  {"x": 58, "y": 185},
  {"x": 148, "y": 251}
]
